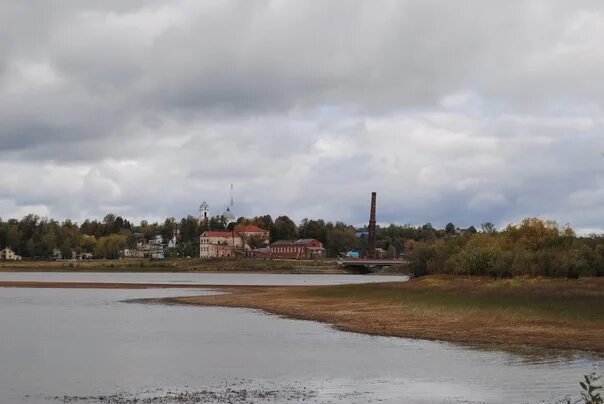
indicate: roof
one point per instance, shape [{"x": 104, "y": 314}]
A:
[
  {"x": 305, "y": 241},
  {"x": 228, "y": 215},
  {"x": 250, "y": 229},
  {"x": 302, "y": 241},
  {"x": 283, "y": 242},
  {"x": 217, "y": 234}
]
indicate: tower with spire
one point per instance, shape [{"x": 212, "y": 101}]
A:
[
  {"x": 228, "y": 214},
  {"x": 204, "y": 212}
]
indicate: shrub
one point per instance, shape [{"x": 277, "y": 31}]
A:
[{"x": 591, "y": 393}]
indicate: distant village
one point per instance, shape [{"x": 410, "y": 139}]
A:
[
  {"x": 248, "y": 241},
  {"x": 206, "y": 236}
]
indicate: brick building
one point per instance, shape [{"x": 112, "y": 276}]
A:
[{"x": 307, "y": 248}]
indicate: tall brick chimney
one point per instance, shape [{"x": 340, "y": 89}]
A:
[{"x": 371, "y": 240}]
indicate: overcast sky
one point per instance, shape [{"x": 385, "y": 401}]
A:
[{"x": 462, "y": 111}]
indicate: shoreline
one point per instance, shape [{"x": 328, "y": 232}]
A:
[
  {"x": 247, "y": 265},
  {"x": 190, "y": 271},
  {"x": 414, "y": 316},
  {"x": 180, "y": 266},
  {"x": 542, "y": 313}
]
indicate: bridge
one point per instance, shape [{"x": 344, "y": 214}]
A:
[{"x": 368, "y": 264}]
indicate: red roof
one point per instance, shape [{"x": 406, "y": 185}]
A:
[
  {"x": 217, "y": 234},
  {"x": 250, "y": 229}
]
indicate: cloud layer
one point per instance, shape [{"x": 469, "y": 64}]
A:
[{"x": 462, "y": 112}]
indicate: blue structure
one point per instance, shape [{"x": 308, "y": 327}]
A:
[
  {"x": 362, "y": 233},
  {"x": 353, "y": 254}
]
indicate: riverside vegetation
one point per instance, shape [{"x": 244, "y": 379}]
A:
[
  {"x": 533, "y": 247},
  {"x": 175, "y": 265},
  {"x": 591, "y": 393},
  {"x": 549, "y": 313}
]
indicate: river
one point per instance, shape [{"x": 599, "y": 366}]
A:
[
  {"x": 211, "y": 278},
  {"x": 89, "y": 345}
]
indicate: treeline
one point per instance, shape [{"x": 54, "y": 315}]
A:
[
  {"x": 531, "y": 248},
  {"x": 35, "y": 237}
]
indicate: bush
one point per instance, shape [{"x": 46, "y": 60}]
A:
[
  {"x": 474, "y": 261},
  {"x": 534, "y": 248}
]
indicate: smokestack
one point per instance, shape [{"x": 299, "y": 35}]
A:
[{"x": 371, "y": 241}]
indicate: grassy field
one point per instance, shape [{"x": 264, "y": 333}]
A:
[
  {"x": 175, "y": 265},
  {"x": 547, "y": 298},
  {"x": 539, "y": 312}
]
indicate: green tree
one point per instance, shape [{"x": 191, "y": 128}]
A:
[
  {"x": 488, "y": 227},
  {"x": 284, "y": 229},
  {"x": 341, "y": 238},
  {"x": 316, "y": 229},
  {"x": 255, "y": 242},
  {"x": 110, "y": 246}
]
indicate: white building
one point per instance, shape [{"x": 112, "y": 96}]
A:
[
  {"x": 9, "y": 255},
  {"x": 224, "y": 244},
  {"x": 204, "y": 212},
  {"x": 219, "y": 244}
]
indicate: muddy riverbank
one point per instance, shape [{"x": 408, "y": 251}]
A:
[{"x": 535, "y": 312}]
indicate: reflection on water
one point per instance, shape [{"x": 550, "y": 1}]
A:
[
  {"x": 73, "y": 343},
  {"x": 199, "y": 278}
]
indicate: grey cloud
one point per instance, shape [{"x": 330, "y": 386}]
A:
[{"x": 461, "y": 112}]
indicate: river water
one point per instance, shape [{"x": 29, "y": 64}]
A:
[
  {"x": 88, "y": 345},
  {"x": 199, "y": 278}
]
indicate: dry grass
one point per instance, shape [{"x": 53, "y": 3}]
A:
[{"x": 539, "y": 312}]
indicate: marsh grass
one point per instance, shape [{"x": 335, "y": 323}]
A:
[
  {"x": 550, "y": 314},
  {"x": 555, "y": 299}
]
